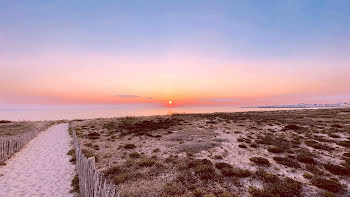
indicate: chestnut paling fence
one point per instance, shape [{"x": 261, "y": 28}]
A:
[
  {"x": 91, "y": 182},
  {"x": 11, "y": 145}
]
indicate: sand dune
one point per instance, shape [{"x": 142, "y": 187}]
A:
[{"x": 41, "y": 168}]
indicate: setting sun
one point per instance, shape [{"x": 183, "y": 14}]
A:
[{"x": 170, "y": 102}]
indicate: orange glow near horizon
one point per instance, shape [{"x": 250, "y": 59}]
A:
[{"x": 195, "y": 81}]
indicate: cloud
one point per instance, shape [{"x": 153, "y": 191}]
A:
[
  {"x": 148, "y": 97},
  {"x": 127, "y": 96}
]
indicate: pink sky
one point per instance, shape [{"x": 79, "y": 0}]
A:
[{"x": 62, "y": 78}]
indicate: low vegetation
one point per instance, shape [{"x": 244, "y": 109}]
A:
[{"x": 260, "y": 154}]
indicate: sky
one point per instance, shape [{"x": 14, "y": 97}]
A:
[{"x": 191, "y": 52}]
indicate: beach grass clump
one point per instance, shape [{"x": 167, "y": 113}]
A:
[
  {"x": 287, "y": 162},
  {"x": 172, "y": 189},
  {"x": 291, "y": 127},
  {"x": 226, "y": 194},
  {"x": 202, "y": 168},
  {"x": 316, "y": 145},
  {"x": 346, "y": 154},
  {"x": 134, "y": 155},
  {"x": 260, "y": 161},
  {"x": 242, "y": 146},
  {"x": 336, "y": 169},
  {"x": 306, "y": 158},
  {"x": 265, "y": 176},
  {"x": 254, "y": 145},
  {"x": 205, "y": 171},
  {"x": 275, "y": 149},
  {"x": 93, "y": 135},
  {"x": 222, "y": 165},
  {"x": 286, "y": 188},
  {"x": 75, "y": 185},
  {"x": 72, "y": 154},
  {"x": 129, "y": 146},
  {"x": 331, "y": 185},
  {"x": 307, "y": 175},
  {"x": 314, "y": 169},
  {"x": 113, "y": 171},
  {"x": 89, "y": 154},
  {"x": 328, "y": 194},
  {"x": 133, "y": 126},
  {"x": 336, "y": 126},
  {"x": 266, "y": 139},
  {"x": 120, "y": 178},
  {"x": 228, "y": 170},
  {"x": 333, "y": 135},
  {"x": 234, "y": 171},
  {"x": 344, "y": 143},
  {"x": 146, "y": 162},
  {"x": 218, "y": 157}
]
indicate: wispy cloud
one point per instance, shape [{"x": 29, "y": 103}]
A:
[
  {"x": 148, "y": 98},
  {"x": 127, "y": 96}
]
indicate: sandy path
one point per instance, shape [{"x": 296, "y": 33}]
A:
[{"x": 41, "y": 168}]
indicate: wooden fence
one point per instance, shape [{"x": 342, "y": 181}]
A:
[
  {"x": 11, "y": 145},
  {"x": 91, "y": 182}
]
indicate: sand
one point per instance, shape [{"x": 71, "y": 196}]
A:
[{"x": 41, "y": 168}]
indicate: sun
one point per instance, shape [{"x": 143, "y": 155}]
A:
[{"x": 170, "y": 102}]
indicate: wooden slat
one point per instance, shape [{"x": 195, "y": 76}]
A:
[
  {"x": 11, "y": 145},
  {"x": 92, "y": 183}
]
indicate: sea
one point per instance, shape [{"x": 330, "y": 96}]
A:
[{"x": 70, "y": 112}]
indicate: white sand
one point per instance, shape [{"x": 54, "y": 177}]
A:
[{"x": 41, "y": 168}]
